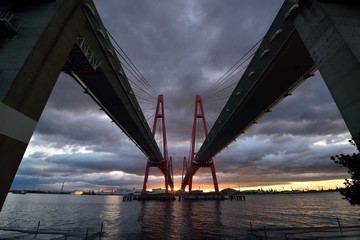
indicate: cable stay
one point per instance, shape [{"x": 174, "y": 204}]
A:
[
  {"x": 144, "y": 92},
  {"x": 216, "y": 96}
]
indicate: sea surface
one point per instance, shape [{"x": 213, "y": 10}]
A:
[{"x": 78, "y": 216}]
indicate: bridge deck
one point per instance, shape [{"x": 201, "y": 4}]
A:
[
  {"x": 283, "y": 61},
  {"x": 94, "y": 64}
]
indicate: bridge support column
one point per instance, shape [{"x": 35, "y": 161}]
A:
[
  {"x": 148, "y": 163},
  {"x": 331, "y": 34},
  {"x": 194, "y": 166},
  {"x": 28, "y": 75},
  {"x": 163, "y": 166},
  {"x": 213, "y": 173}
]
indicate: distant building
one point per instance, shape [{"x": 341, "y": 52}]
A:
[
  {"x": 121, "y": 192},
  {"x": 157, "y": 191},
  {"x": 197, "y": 191},
  {"x": 229, "y": 191},
  {"x": 126, "y": 191}
]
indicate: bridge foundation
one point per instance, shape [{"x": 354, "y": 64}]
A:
[{"x": 331, "y": 33}]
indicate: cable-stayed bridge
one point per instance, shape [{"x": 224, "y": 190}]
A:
[
  {"x": 64, "y": 36},
  {"x": 69, "y": 36},
  {"x": 304, "y": 37},
  {"x": 280, "y": 63}
]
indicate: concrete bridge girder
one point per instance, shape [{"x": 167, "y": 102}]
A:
[{"x": 325, "y": 34}]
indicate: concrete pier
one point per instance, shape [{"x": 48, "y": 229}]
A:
[
  {"x": 204, "y": 196},
  {"x": 158, "y": 197},
  {"x": 237, "y": 197},
  {"x": 331, "y": 34}
]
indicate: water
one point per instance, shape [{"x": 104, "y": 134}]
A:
[{"x": 173, "y": 219}]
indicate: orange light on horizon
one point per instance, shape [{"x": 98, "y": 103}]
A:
[
  {"x": 305, "y": 186},
  {"x": 77, "y": 192}
]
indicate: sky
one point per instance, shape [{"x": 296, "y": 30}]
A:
[{"x": 182, "y": 48}]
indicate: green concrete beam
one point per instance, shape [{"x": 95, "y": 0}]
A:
[{"x": 28, "y": 75}]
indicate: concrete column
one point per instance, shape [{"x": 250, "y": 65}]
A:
[
  {"x": 331, "y": 33},
  {"x": 30, "y": 64}
]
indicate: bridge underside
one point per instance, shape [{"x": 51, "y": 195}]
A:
[
  {"x": 317, "y": 35},
  {"x": 58, "y": 36},
  {"x": 279, "y": 65}
]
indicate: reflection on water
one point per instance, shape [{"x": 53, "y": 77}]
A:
[
  {"x": 158, "y": 219},
  {"x": 204, "y": 218},
  {"x": 174, "y": 219},
  {"x": 111, "y": 212}
]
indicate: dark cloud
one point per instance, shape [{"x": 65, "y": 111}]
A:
[{"x": 182, "y": 48}]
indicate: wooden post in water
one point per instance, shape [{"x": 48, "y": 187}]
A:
[
  {"x": 37, "y": 229},
  {"x": 101, "y": 229},
  {"x": 339, "y": 223},
  {"x": 38, "y": 226},
  {"x": 265, "y": 233}
]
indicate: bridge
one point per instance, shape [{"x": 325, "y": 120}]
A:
[
  {"x": 64, "y": 36},
  {"x": 70, "y": 37},
  {"x": 304, "y": 37}
]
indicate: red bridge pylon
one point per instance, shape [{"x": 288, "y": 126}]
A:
[
  {"x": 184, "y": 170},
  {"x": 195, "y": 166},
  {"x": 163, "y": 166}
]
